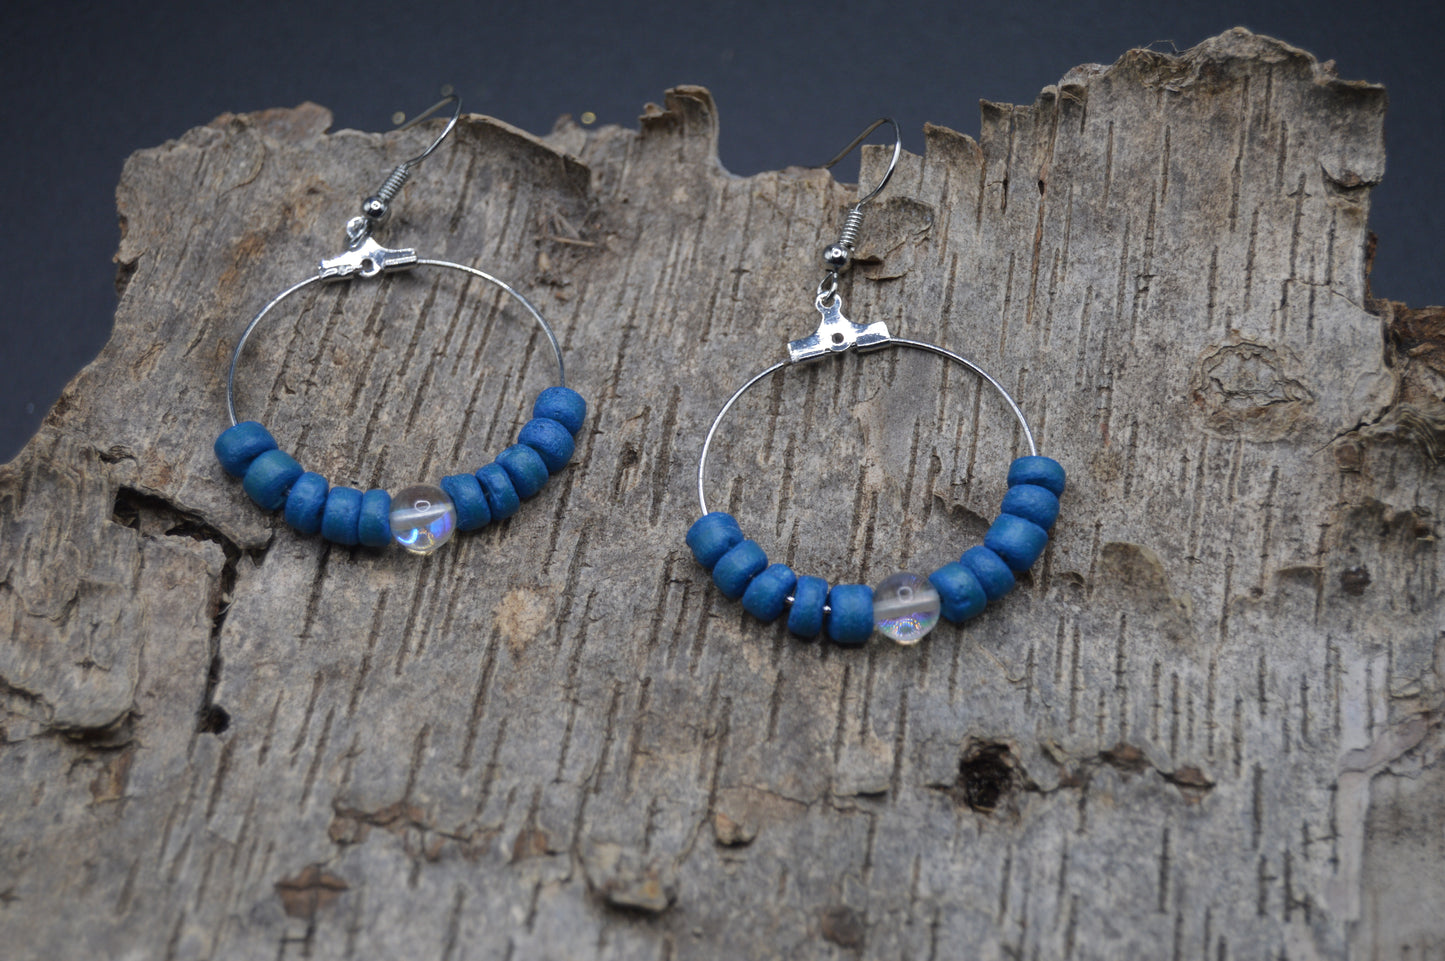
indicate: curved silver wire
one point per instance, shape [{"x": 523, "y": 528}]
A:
[
  {"x": 483, "y": 275},
  {"x": 707, "y": 441},
  {"x": 376, "y": 209},
  {"x": 892, "y": 163},
  {"x": 517, "y": 296},
  {"x": 428, "y": 112},
  {"x": 839, "y": 256},
  {"x": 246, "y": 335},
  {"x": 891, "y": 342}
]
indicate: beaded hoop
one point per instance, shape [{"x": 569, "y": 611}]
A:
[
  {"x": 421, "y": 517},
  {"x": 904, "y": 607}
]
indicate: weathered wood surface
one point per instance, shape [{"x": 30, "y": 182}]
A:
[{"x": 1208, "y": 726}]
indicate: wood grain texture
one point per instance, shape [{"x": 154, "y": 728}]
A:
[{"x": 1208, "y": 725}]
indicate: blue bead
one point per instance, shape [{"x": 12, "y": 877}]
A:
[
  {"x": 374, "y": 526},
  {"x": 238, "y": 446},
  {"x": 806, "y": 617},
  {"x": 1017, "y": 541},
  {"x": 1032, "y": 503},
  {"x": 850, "y": 619},
  {"x": 993, "y": 574},
  {"x": 305, "y": 503},
  {"x": 1043, "y": 471},
  {"x": 550, "y": 440},
  {"x": 767, "y": 596},
  {"x": 959, "y": 592},
  {"x": 564, "y": 406},
  {"x": 471, "y": 504},
  {"x": 737, "y": 568},
  {"x": 525, "y": 468},
  {"x": 713, "y": 535},
  {"x": 270, "y": 476},
  {"x": 497, "y": 487},
  {"x": 342, "y": 515}
]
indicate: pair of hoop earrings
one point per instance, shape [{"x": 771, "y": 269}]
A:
[{"x": 422, "y": 517}]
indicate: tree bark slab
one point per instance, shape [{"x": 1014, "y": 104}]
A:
[{"x": 1209, "y": 724}]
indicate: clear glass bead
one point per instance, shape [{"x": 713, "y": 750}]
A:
[
  {"x": 905, "y": 607},
  {"x": 423, "y": 518}
]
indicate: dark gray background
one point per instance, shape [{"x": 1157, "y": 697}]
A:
[{"x": 86, "y": 84}]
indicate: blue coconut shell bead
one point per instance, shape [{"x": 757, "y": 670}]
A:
[
  {"x": 806, "y": 617},
  {"x": 497, "y": 488},
  {"x": 471, "y": 504},
  {"x": 1017, "y": 541},
  {"x": 340, "y": 519},
  {"x": 1033, "y": 503},
  {"x": 373, "y": 527},
  {"x": 850, "y": 615},
  {"x": 994, "y": 575},
  {"x": 305, "y": 503},
  {"x": 269, "y": 478},
  {"x": 960, "y": 594},
  {"x": 737, "y": 568},
  {"x": 767, "y": 596},
  {"x": 552, "y": 442},
  {"x": 564, "y": 406},
  {"x": 1043, "y": 471},
  {"x": 238, "y": 446},
  {"x": 524, "y": 466},
  {"x": 713, "y": 535}
]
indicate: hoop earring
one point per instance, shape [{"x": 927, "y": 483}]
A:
[
  {"x": 904, "y": 607},
  {"x": 421, "y": 517}
]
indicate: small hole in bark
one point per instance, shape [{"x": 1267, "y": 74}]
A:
[
  {"x": 126, "y": 510},
  {"x": 1354, "y": 580},
  {"x": 213, "y": 720},
  {"x": 985, "y": 775},
  {"x": 843, "y": 926}
]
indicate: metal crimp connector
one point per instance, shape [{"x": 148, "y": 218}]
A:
[
  {"x": 836, "y": 334},
  {"x": 366, "y": 258}
]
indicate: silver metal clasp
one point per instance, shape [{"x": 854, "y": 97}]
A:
[
  {"x": 836, "y": 333},
  {"x": 366, "y": 258}
]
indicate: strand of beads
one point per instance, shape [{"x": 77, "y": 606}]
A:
[
  {"x": 422, "y": 517},
  {"x": 904, "y": 607}
]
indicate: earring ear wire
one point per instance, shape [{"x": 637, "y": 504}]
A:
[
  {"x": 377, "y": 208},
  {"x": 838, "y": 256}
]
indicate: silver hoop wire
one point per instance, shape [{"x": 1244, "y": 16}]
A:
[
  {"x": 889, "y": 342},
  {"x": 482, "y": 275}
]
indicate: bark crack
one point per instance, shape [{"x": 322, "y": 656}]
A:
[{"x": 155, "y": 516}]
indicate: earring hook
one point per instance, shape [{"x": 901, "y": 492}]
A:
[
  {"x": 429, "y": 112},
  {"x": 838, "y": 257},
  {"x": 892, "y": 163},
  {"x": 377, "y": 208}
]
